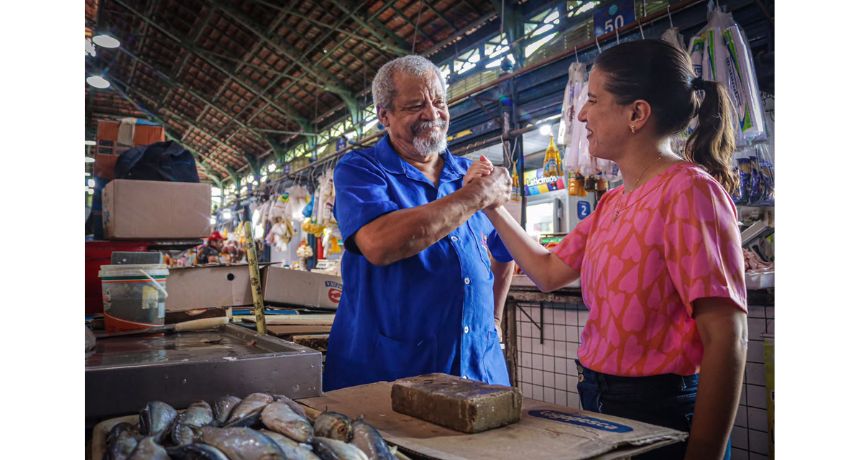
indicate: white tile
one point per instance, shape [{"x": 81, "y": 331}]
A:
[
  {"x": 526, "y": 345},
  {"x": 755, "y": 456},
  {"x": 755, "y": 352},
  {"x": 756, "y": 397},
  {"x": 548, "y": 363},
  {"x": 572, "y": 380},
  {"x": 582, "y": 317},
  {"x": 756, "y": 328},
  {"x": 560, "y": 382},
  {"x": 559, "y": 349},
  {"x": 537, "y": 377},
  {"x": 559, "y": 330},
  {"x": 548, "y": 331},
  {"x": 741, "y": 417},
  {"x": 538, "y": 393},
  {"x": 571, "y": 367},
  {"x": 560, "y": 397},
  {"x": 771, "y": 326},
  {"x": 768, "y": 312},
  {"x": 571, "y": 348},
  {"x": 758, "y": 419},
  {"x": 558, "y": 316},
  {"x": 744, "y": 400},
  {"x": 738, "y": 454},
  {"x": 527, "y": 390},
  {"x": 573, "y": 400},
  {"x": 755, "y": 311},
  {"x": 740, "y": 437},
  {"x": 759, "y": 443},
  {"x": 755, "y": 373},
  {"x": 559, "y": 365},
  {"x": 525, "y": 375},
  {"x": 548, "y": 379},
  {"x": 527, "y": 360},
  {"x": 537, "y": 347},
  {"x": 570, "y": 317}
]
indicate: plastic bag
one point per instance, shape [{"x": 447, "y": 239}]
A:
[
  {"x": 161, "y": 161},
  {"x": 673, "y": 36}
]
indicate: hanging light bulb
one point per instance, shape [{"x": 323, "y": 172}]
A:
[
  {"x": 89, "y": 160},
  {"x": 97, "y": 81},
  {"x": 106, "y": 41},
  {"x": 89, "y": 142},
  {"x": 545, "y": 130}
]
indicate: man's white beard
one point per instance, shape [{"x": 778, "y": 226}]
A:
[{"x": 433, "y": 144}]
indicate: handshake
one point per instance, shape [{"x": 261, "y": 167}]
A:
[{"x": 491, "y": 184}]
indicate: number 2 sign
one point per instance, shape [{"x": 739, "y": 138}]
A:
[{"x": 612, "y": 16}]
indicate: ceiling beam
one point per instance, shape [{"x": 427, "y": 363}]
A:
[
  {"x": 332, "y": 83},
  {"x": 373, "y": 27},
  {"x": 150, "y": 9},
  {"x": 414, "y": 25},
  {"x": 288, "y": 112},
  {"x": 188, "y": 52},
  {"x": 429, "y": 4},
  {"x": 173, "y": 84}
]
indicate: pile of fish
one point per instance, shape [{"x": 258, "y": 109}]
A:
[{"x": 261, "y": 426}]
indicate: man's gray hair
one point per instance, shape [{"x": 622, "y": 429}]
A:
[{"x": 383, "y": 83}]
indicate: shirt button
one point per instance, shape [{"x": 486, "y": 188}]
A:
[
  {"x": 468, "y": 281},
  {"x": 466, "y": 330},
  {"x": 454, "y": 238}
]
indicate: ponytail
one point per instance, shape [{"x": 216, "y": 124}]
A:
[{"x": 712, "y": 143}]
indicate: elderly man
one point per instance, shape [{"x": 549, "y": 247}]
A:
[{"x": 420, "y": 285}]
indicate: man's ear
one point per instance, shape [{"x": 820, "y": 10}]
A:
[{"x": 382, "y": 115}]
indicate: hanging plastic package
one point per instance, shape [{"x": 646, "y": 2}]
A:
[
  {"x": 576, "y": 78},
  {"x": 720, "y": 52},
  {"x": 577, "y": 161},
  {"x": 515, "y": 182},
  {"x": 673, "y": 36}
]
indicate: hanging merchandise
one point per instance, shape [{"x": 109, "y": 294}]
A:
[
  {"x": 720, "y": 52},
  {"x": 515, "y": 183},
  {"x": 552, "y": 160},
  {"x": 324, "y": 212},
  {"x": 576, "y": 79},
  {"x": 673, "y": 36}
]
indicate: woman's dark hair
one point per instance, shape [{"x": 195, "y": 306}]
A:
[{"x": 657, "y": 72}]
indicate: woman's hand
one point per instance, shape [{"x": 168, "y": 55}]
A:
[{"x": 482, "y": 167}]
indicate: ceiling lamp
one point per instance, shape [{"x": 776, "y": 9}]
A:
[
  {"x": 106, "y": 41},
  {"x": 89, "y": 142},
  {"x": 97, "y": 81},
  {"x": 89, "y": 160}
]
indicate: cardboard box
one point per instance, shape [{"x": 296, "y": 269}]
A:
[
  {"x": 545, "y": 431},
  {"x": 208, "y": 287},
  {"x": 139, "y": 209},
  {"x": 294, "y": 287}
]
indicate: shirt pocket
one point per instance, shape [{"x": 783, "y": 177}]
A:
[
  {"x": 478, "y": 243},
  {"x": 393, "y": 359}
]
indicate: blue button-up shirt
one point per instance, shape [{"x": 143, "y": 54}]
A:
[{"x": 432, "y": 312}]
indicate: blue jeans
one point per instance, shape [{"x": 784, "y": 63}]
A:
[{"x": 665, "y": 400}]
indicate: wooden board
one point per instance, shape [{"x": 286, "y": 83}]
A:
[
  {"x": 286, "y": 329},
  {"x": 580, "y": 434},
  {"x": 324, "y": 320}
]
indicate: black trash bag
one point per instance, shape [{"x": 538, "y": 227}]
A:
[{"x": 162, "y": 161}]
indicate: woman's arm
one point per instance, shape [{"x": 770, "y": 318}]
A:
[
  {"x": 723, "y": 329},
  {"x": 503, "y": 272},
  {"x": 546, "y": 269}
]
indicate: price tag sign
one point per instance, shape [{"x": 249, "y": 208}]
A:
[
  {"x": 583, "y": 209},
  {"x": 612, "y": 16}
]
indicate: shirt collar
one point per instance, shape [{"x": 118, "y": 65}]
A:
[{"x": 453, "y": 169}]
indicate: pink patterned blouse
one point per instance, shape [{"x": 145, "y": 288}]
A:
[{"x": 643, "y": 260}]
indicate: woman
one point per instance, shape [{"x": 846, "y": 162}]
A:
[{"x": 660, "y": 259}]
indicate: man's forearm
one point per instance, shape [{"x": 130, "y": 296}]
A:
[{"x": 406, "y": 232}]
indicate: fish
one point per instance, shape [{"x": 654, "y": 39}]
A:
[
  {"x": 247, "y": 413},
  {"x": 292, "y": 449},
  {"x": 333, "y": 425},
  {"x": 223, "y": 406},
  {"x": 196, "y": 451},
  {"x": 332, "y": 449},
  {"x": 149, "y": 449},
  {"x": 279, "y": 417},
  {"x": 242, "y": 443},
  {"x": 198, "y": 414},
  {"x": 296, "y": 407},
  {"x": 366, "y": 438},
  {"x": 121, "y": 441},
  {"x": 156, "y": 418}
]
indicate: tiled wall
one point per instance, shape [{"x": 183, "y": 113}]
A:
[{"x": 547, "y": 371}]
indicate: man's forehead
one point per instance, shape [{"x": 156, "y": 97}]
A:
[{"x": 409, "y": 82}]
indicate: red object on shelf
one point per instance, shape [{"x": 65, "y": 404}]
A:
[{"x": 96, "y": 254}]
